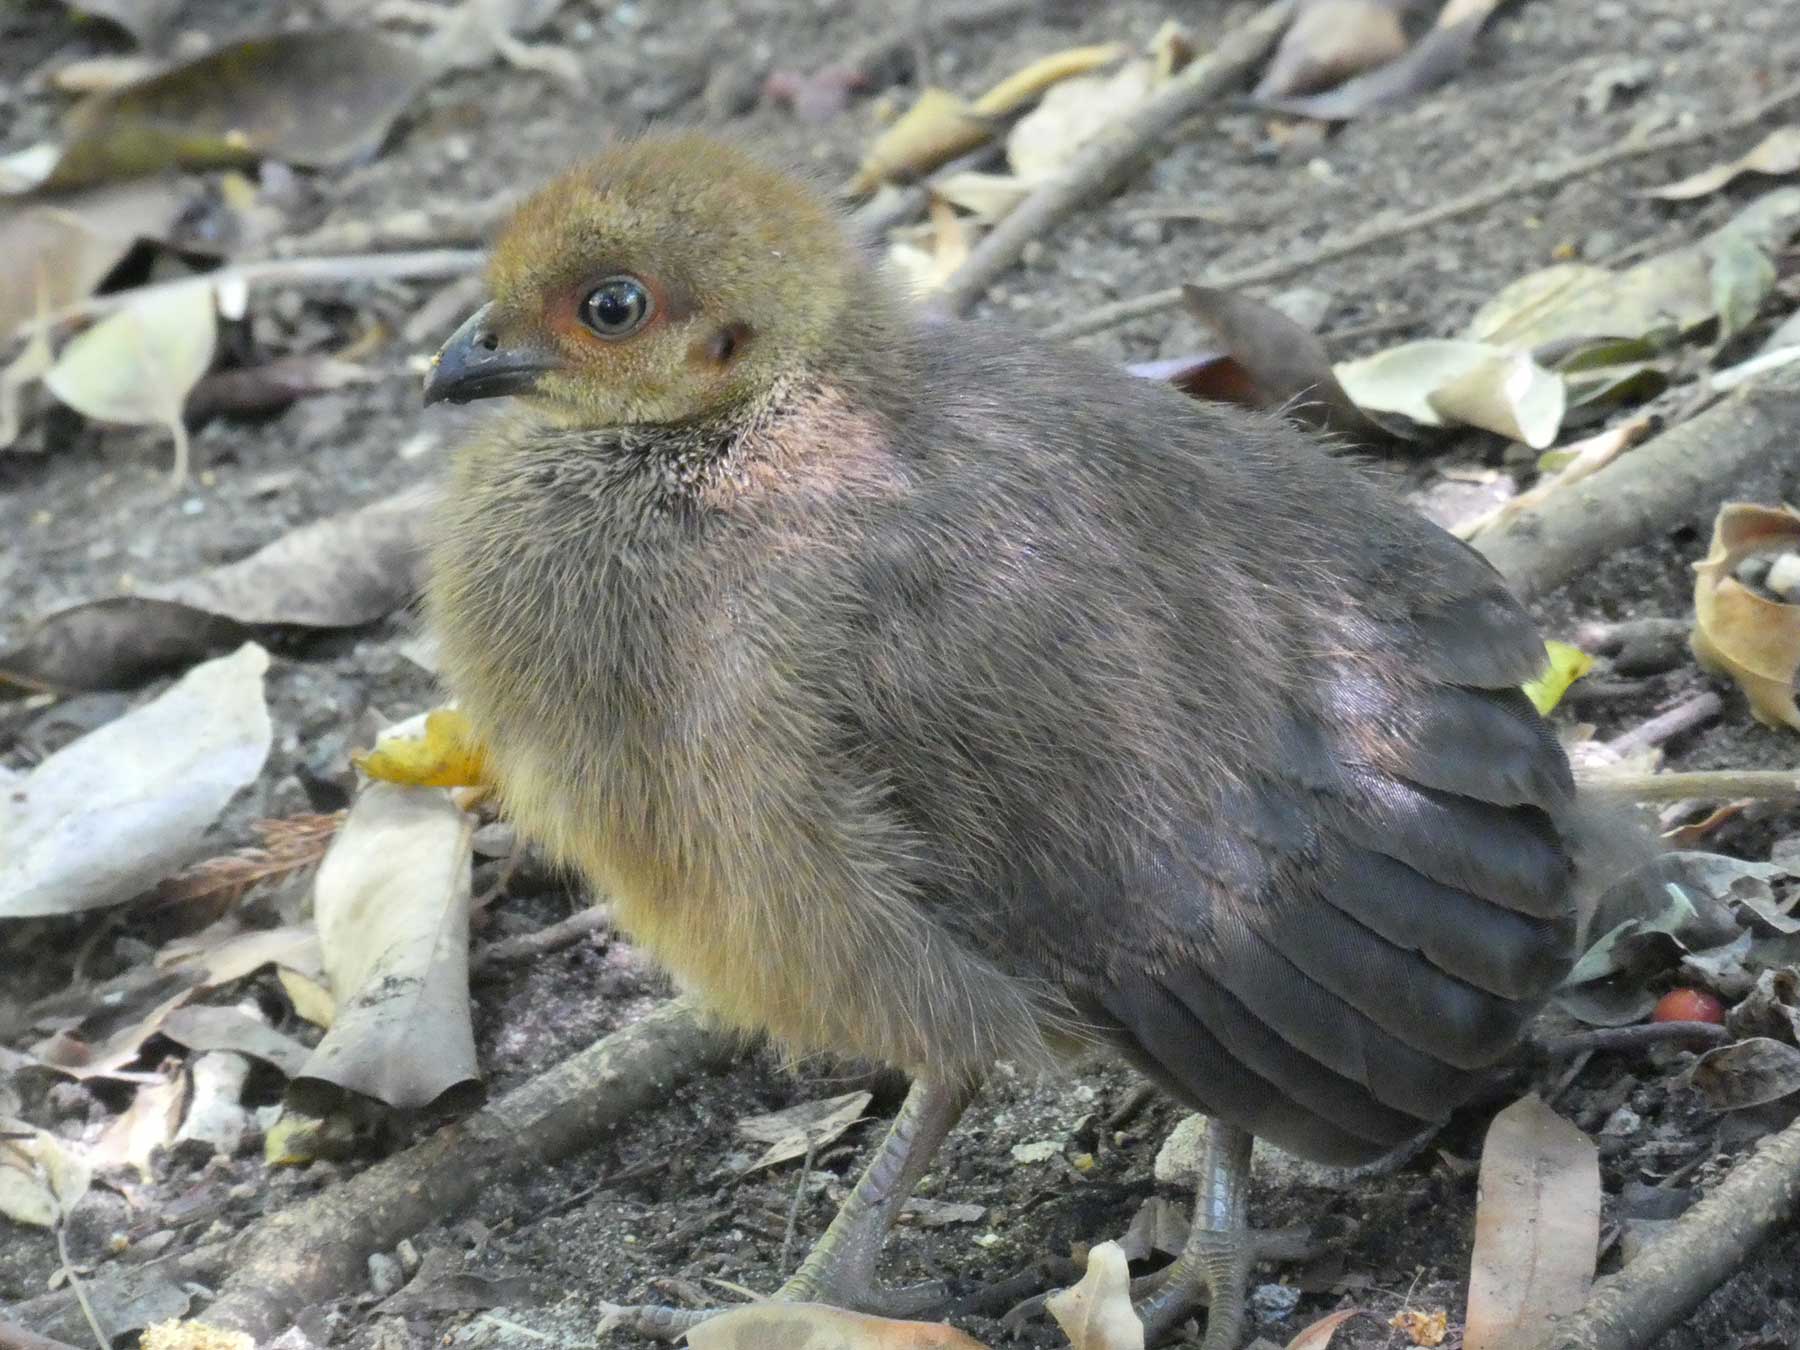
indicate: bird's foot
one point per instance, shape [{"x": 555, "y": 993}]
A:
[{"x": 666, "y": 1323}]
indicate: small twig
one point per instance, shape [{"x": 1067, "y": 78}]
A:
[
  {"x": 101, "y": 1339},
  {"x": 550, "y": 938},
  {"x": 1703, "y": 1249},
  {"x": 1706, "y": 1034},
  {"x": 1102, "y": 162},
  {"x": 1568, "y": 1078},
  {"x": 1132, "y": 1107},
  {"x": 1713, "y": 785},
  {"x": 1685, "y": 716},
  {"x": 1408, "y": 226},
  {"x": 1605, "y": 638},
  {"x": 793, "y": 1214},
  {"x": 437, "y": 262}
]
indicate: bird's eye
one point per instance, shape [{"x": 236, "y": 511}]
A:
[{"x": 617, "y": 307}]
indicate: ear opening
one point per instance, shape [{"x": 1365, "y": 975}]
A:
[{"x": 728, "y": 342}]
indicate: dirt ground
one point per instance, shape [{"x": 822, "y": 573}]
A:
[{"x": 84, "y": 512}]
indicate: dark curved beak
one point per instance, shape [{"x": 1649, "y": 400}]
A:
[{"x": 477, "y": 363}]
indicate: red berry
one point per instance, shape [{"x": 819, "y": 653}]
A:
[{"x": 1689, "y": 1005}]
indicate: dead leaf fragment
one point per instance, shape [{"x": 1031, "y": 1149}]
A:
[
  {"x": 1738, "y": 633},
  {"x": 316, "y": 97},
  {"x": 1422, "y": 1328},
  {"x": 1776, "y": 154},
  {"x": 392, "y": 906},
  {"x": 1319, "y": 1335},
  {"x": 149, "y": 1123},
  {"x": 41, "y": 1176},
  {"x": 445, "y": 751},
  {"x": 1537, "y": 1226},
  {"x": 111, "y": 814},
  {"x": 1096, "y": 1312},
  {"x": 1445, "y": 381},
  {"x": 814, "y": 1326},
  {"x": 1566, "y": 664},
  {"x": 937, "y": 128},
  {"x": 1752, "y": 1072},
  {"x": 802, "y": 1129},
  {"x": 1436, "y": 57},
  {"x": 1331, "y": 40},
  {"x": 137, "y": 366},
  {"x": 1042, "y": 142},
  {"x": 1022, "y": 86}
]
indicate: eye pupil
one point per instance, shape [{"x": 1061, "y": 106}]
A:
[{"x": 616, "y": 307}]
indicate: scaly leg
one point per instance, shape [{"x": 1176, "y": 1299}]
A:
[
  {"x": 1216, "y": 1257},
  {"x": 840, "y": 1270}
]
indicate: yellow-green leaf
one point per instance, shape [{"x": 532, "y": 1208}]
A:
[{"x": 1566, "y": 665}]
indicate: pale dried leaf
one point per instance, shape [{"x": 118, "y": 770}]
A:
[
  {"x": 1096, "y": 1312},
  {"x": 1776, "y": 154},
  {"x": 937, "y": 128},
  {"x": 392, "y": 905},
  {"x": 1320, "y": 1334},
  {"x": 1537, "y": 1226},
  {"x": 113, "y": 813},
  {"x": 223, "y": 953},
  {"x": 1752, "y": 1072},
  {"x": 137, "y": 366},
  {"x": 1444, "y": 381},
  {"x": 1331, "y": 40},
  {"x": 1042, "y": 142},
  {"x": 205, "y": 1028},
  {"x": 814, "y": 1326},
  {"x": 1022, "y": 86},
  {"x": 986, "y": 196},
  {"x": 41, "y": 1176},
  {"x": 149, "y": 1123},
  {"x": 1739, "y": 633},
  {"x": 811, "y": 1125}
]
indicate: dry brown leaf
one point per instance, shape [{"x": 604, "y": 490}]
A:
[
  {"x": 1022, "y": 86},
  {"x": 814, "y": 1326},
  {"x": 1738, "y": 633},
  {"x": 149, "y": 1123},
  {"x": 1042, "y": 142},
  {"x": 41, "y": 1176},
  {"x": 1319, "y": 1335},
  {"x": 1331, "y": 40},
  {"x": 794, "y": 1132},
  {"x": 1096, "y": 1312},
  {"x": 1775, "y": 154},
  {"x": 392, "y": 905},
  {"x": 289, "y": 844},
  {"x": 1422, "y": 1328},
  {"x": 937, "y": 128},
  {"x": 1537, "y": 1226},
  {"x": 1749, "y": 1073}
]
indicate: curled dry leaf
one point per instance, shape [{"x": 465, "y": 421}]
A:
[
  {"x": 149, "y": 1123},
  {"x": 317, "y": 97},
  {"x": 1447, "y": 381},
  {"x": 111, "y": 814},
  {"x": 392, "y": 905},
  {"x": 1043, "y": 141},
  {"x": 937, "y": 128},
  {"x": 1738, "y": 633},
  {"x": 443, "y": 751},
  {"x": 137, "y": 366},
  {"x": 1750, "y": 1073},
  {"x": 1436, "y": 57},
  {"x": 1537, "y": 1226},
  {"x": 1776, "y": 154},
  {"x": 1096, "y": 1312},
  {"x": 814, "y": 1326},
  {"x": 800, "y": 1129},
  {"x": 1282, "y": 365},
  {"x": 1321, "y": 1333},
  {"x": 205, "y": 1028},
  {"x": 1022, "y": 86},
  {"x": 1331, "y": 40},
  {"x": 41, "y": 1176},
  {"x": 339, "y": 572}
]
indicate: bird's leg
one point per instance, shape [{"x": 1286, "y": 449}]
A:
[
  {"x": 1216, "y": 1257},
  {"x": 840, "y": 1269}
]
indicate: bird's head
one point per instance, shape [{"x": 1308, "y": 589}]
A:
[{"x": 667, "y": 279}]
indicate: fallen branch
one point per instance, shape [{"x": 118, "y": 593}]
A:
[
  {"x": 1680, "y": 477},
  {"x": 1665, "y": 726},
  {"x": 15, "y": 1337},
  {"x": 1408, "y": 226},
  {"x": 1101, "y": 164},
  {"x": 1703, "y": 1249},
  {"x": 553, "y": 937},
  {"x": 1767, "y": 785},
  {"x": 319, "y": 1249},
  {"x": 1703, "y": 1034}
]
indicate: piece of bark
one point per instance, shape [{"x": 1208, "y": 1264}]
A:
[
  {"x": 1679, "y": 478},
  {"x": 319, "y": 1249}
]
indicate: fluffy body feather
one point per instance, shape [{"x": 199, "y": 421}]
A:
[{"x": 939, "y": 696}]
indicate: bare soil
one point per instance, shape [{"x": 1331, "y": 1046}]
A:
[{"x": 84, "y": 512}]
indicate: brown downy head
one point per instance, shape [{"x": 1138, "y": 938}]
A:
[{"x": 668, "y": 279}]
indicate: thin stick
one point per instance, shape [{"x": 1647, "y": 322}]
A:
[
  {"x": 435, "y": 262},
  {"x": 1101, "y": 164},
  {"x": 1768, "y": 785},
  {"x": 1408, "y": 226},
  {"x": 1705, "y": 1247},
  {"x": 101, "y": 1339},
  {"x": 1684, "y": 716},
  {"x": 553, "y": 937},
  {"x": 15, "y": 1337},
  {"x": 1632, "y": 1038}
]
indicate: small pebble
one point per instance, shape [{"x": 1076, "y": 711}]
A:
[
  {"x": 409, "y": 1256},
  {"x": 1273, "y": 1302},
  {"x": 1784, "y": 576},
  {"x": 385, "y": 1274},
  {"x": 1622, "y": 1122}
]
